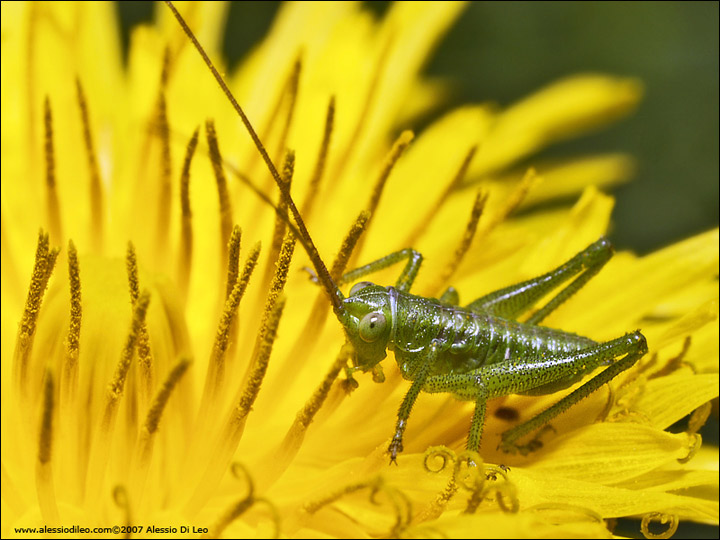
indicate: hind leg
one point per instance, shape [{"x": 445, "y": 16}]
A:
[
  {"x": 527, "y": 374},
  {"x": 513, "y": 301}
]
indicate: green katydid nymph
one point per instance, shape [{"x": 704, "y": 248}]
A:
[{"x": 476, "y": 352}]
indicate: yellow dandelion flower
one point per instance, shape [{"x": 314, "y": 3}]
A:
[{"x": 168, "y": 370}]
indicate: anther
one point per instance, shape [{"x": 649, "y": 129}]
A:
[
  {"x": 72, "y": 343},
  {"x": 348, "y": 245},
  {"x": 145, "y": 442},
  {"x": 263, "y": 349},
  {"x": 44, "y": 263},
  {"x": 314, "y": 185},
  {"x": 397, "y": 150},
  {"x": 145, "y": 357},
  {"x": 464, "y": 245},
  {"x": 186, "y": 234},
  {"x": 454, "y": 184},
  {"x": 53, "y": 205},
  {"x": 513, "y": 200},
  {"x": 233, "y": 260},
  {"x": 152, "y": 420},
  {"x": 132, "y": 272},
  {"x": 163, "y": 130},
  {"x": 216, "y": 367},
  {"x": 96, "y": 189},
  {"x": 280, "y": 225},
  {"x": 292, "y": 92},
  {"x": 305, "y": 417},
  {"x": 115, "y": 389},
  {"x": 277, "y": 285},
  {"x": 221, "y": 181}
]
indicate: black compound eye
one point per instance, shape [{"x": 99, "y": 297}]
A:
[
  {"x": 359, "y": 286},
  {"x": 372, "y": 326}
]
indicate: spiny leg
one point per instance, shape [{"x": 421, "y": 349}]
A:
[
  {"x": 478, "y": 420},
  {"x": 407, "y": 277},
  {"x": 634, "y": 346},
  {"x": 516, "y": 376},
  {"x": 428, "y": 358},
  {"x": 512, "y": 301}
]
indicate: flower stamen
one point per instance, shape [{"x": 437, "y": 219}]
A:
[
  {"x": 291, "y": 93},
  {"x": 43, "y": 471},
  {"x": 115, "y": 390},
  {"x": 314, "y": 185},
  {"x": 280, "y": 222},
  {"x": 44, "y": 263},
  {"x": 233, "y": 430},
  {"x": 282, "y": 267},
  {"x": 149, "y": 428},
  {"x": 233, "y": 260},
  {"x": 242, "y": 505},
  {"x": 163, "y": 129},
  {"x": 295, "y": 435},
  {"x": 152, "y": 420},
  {"x": 305, "y": 416},
  {"x": 698, "y": 418},
  {"x": 266, "y": 339},
  {"x": 223, "y": 194},
  {"x": 263, "y": 348},
  {"x": 186, "y": 234},
  {"x": 100, "y": 451},
  {"x": 122, "y": 501},
  {"x": 96, "y": 189},
  {"x": 513, "y": 200},
  {"x": 53, "y": 205},
  {"x": 444, "y": 196},
  {"x": 437, "y": 506},
  {"x": 459, "y": 254},
  {"x": 503, "y": 490},
  {"x": 397, "y": 150},
  {"x": 68, "y": 381},
  {"x": 376, "y": 484},
  {"x": 305, "y": 238},
  {"x": 145, "y": 357},
  {"x": 69, "y": 441},
  {"x": 214, "y": 380}
]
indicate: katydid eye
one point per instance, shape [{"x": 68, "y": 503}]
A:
[
  {"x": 372, "y": 326},
  {"x": 359, "y": 286}
]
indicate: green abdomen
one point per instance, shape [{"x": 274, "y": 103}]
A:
[{"x": 469, "y": 340}]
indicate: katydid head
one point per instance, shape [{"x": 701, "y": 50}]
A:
[{"x": 368, "y": 320}]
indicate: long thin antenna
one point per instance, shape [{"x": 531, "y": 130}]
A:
[{"x": 332, "y": 289}]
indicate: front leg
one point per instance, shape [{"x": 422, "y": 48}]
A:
[
  {"x": 473, "y": 386},
  {"x": 426, "y": 359},
  {"x": 407, "y": 277}
]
